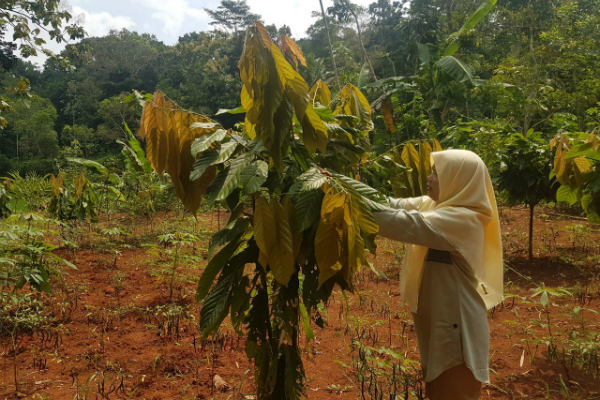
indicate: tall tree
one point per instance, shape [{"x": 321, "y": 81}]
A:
[
  {"x": 335, "y": 72},
  {"x": 233, "y": 15},
  {"x": 344, "y": 11},
  {"x": 28, "y": 18},
  {"x": 200, "y": 72}
]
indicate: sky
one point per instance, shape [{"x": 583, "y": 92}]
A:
[{"x": 170, "y": 19}]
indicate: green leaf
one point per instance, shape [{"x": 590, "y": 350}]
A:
[
  {"x": 214, "y": 266},
  {"x": 212, "y": 157},
  {"x": 205, "y": 142},
  {"x": 566, "y": 194},
  {"x": 200, "y": 166},
  {"x": 544, "y": 298},
  {"x": 305, "y": 320},
  {"x": 253, "y": 176},
  {"x": 225, "y": 151},
  {"x": 309, "y": 180},
  {"x": 456, "y": 69},
  {"x": 425, "y": 52},
  {"x": 228, "y": 179},
  {"x": 371, "y": 197},
  {"x": 89, "y": 163},
  {"x": 238, "y": 110},
  {"x": 234, "y": 229},
  {"x": 453, "y": 46},
  {"x": 62, "y": 260},
  {"x": 307, "y": 206},
  {"x": 215, "y": 306},
  {"x": 586, "y": 150},
  {"x": 483, "y": 10},
  {"x": 118, "y": 195},
  {"x": 136, "y": 151}
]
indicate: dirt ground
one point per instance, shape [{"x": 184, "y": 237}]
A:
[{"x": 118, "y": 340}]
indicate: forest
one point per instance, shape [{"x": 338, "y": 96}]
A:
[{"x": 196, "y": 220}]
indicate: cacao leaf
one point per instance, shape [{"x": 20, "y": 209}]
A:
[
  {"x": 387, "y": 109},
  {"x": 228, "y": 179},
  {"x": 351, "y": 101},
  {"x": 216, "y": 305},
  {"x": 274, "y": 236},
  {"x": 201, "y": 164},
  {"x": 214, "y": 266},
  {"x": 253, "y": 176},
  {"x": 292, "y": 51},
  {"x": 320, "y": 93},
  {"x": 566, "y": 194},
  {"x": 307, "y": 204},
  {"x": 203, "y": 143},
  {"x": 166, "y": 129}
]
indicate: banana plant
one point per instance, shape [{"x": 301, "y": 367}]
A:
[
  {"x": 299, "y": 223},
  {"x": 443, "y": 77}
]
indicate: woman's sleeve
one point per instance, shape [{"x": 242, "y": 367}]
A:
[
  {"x": 410, "y": 227},
  {"x": 407, "y": 203}
]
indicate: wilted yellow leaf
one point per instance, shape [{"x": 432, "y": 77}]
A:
[
  {"x": 387, "y": 109},
  {"x": 269, "y": 85},
  {"x": 79, "y": 183},
  {"x": 351, "y": 101},
  {"x": 57, "y": 184},
  {"x": 339, "y": 247},
  {"x": 320, "y": 93},
  {"x": 274, "y": 237},
  {"x": 166, "y": 129},
  {"x": 292, "y": 51},
  {"x": 424, "y": 164}
]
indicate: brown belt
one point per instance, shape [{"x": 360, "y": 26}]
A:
[{"x": 439, "y": 256}]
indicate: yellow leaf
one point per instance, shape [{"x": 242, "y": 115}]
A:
[
  {"x": 273, "y": 235},
  {"x": 166, "y": 129},
  {"x": 328, "y": 250},
  {"x": 79, "y": 183},
  {"x": 320, "y": 93},
  {"x": 410, "y": 157},
  {"x": 351, "y": 101},
  {"x": 262, "y": 93},
  {"x": 314, "y": 131},
  {"x": 292, "y": 51},
  {"x": 424, "y": 164},
  {"x": 387, "y": 109},
  {"x": 57, "y": 184}
]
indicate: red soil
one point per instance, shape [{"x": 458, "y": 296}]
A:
[{"x": 111, "y": 338}]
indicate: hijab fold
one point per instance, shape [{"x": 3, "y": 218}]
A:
[{"x": 467, "y": 217}]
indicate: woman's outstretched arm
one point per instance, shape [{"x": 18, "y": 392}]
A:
[
  {"x": 410, "y": 227},
  {"x": 406, "y": 203}
]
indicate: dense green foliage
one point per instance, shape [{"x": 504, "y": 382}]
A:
[{"x": 511, "y": 67}]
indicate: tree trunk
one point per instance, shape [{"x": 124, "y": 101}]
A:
[
  {"x": 531, "y": 207},
  {"x": 335, "y": 73},
  {"x": 362, "y": 47}
]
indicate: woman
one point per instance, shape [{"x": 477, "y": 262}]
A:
[{"x": 453, "y": 270}]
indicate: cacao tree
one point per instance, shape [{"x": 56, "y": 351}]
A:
[
  {"x": 299, "y": 224},
  {"x": 576, "y": 167},
  {"x": 525, "y": 173}
]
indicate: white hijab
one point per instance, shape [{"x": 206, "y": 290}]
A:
[{"x": 467, "y": 217}]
